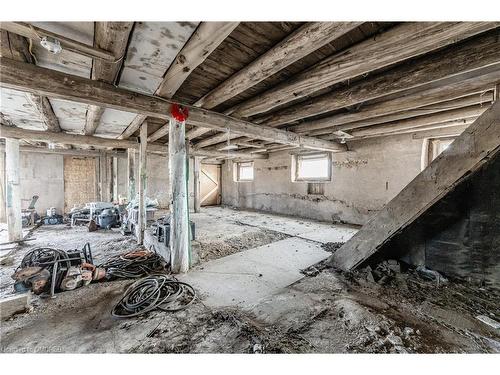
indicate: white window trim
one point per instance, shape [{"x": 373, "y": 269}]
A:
[
  {"x": 236, "y": 171},
  {"x": 295, "y": 164}
]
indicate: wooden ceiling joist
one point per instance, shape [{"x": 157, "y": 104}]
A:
[
  {"x": 113, "y": 37},
  {"x": 302, "y": 42},
  {"x": 99, "y": 142},
  {"x": 475, "y": 57},
  {"x": 480, "y": 99},
  {"x": 455, "y": 115},
  {"x": 41, "y": 81},
  {"x": 471, "y": 150},
  {"x": 16, "y": 47},
  {"x": 346, "y": 121},
  {"x": 205, "y": 39},
  {"x": 434, "y": 70},
  {"x": 393, "y": 46}
]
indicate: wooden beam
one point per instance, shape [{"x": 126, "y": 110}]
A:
[
  {"x": 163, "y": 131},
  {"x": 359, "y": 91},
  {"x": 86, "y": 140},
  {"x": 345, "y": 121},
  {"x": 207, "y": 37},
  {"x": 131, "y": 166},
  {"x": 474, "y": 147},
  {"x": 13, "y": 190},
  {"x": 451, "y": 131},
  {"x": 460, "y": 114},
  {"x": 439, "y": 69},
  {"x": 400, "y": 43},
  {"x": 63, "y": 151},
  {"x": 113, "y": 37},
  {"x": 16, "y": 47},
  {"x": 24, "y": 77},
  {"x": 143, "y": 175},
  {"x": 415, "y": 130},
  {"x": 179, "y": 209},
  {"x": 36, "y": 33},
  {"x": 302, "y": 42},
  {"x": 203, "y": 42},
  {"x": 482, "y": 99}
]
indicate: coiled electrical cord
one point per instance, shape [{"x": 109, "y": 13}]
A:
[
  {"x": 133, "y": 265},
  {"x": 154, "y": 292}
]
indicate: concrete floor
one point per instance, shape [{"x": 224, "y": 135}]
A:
[
  {"x": 326, "y": 313},
  {"x": 244, "y": 278}
]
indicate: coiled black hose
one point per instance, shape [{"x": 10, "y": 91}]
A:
[
  {"x": 133, "y": 265},
  {"x": 154, "y": 292}
]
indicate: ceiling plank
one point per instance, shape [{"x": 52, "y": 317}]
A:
[
  {"x": 393, "y": 46},
  {"x": 113, "y": 37},
  {"x": 41, "y": 81},
  {"x": 307, "y": 39},
  {"x": 206, "y": 38}
]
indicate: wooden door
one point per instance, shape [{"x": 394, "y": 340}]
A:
[
  {"x": 79, "y": 181},
  {"x": 210, "y": 185}
]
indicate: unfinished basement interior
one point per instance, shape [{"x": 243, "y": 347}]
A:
[{"x": 250, "y": 187}]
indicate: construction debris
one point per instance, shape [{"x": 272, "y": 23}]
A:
[{"x": 15, "y": 304}]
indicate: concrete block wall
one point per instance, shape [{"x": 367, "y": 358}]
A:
[{"x": 363, "y": 180}]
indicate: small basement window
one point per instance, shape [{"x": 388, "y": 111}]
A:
[
  {"x": 312, "y": 167},
  {"x": 243, "y": 171}
]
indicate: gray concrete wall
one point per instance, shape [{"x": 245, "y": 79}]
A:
[
  {"x": 363, "y": 180},
  {"x": 42, "y": 175}
]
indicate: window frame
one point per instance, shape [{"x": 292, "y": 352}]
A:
[
  {"x": 236, "y": 172},
  {"x": 296, "y": 163}
]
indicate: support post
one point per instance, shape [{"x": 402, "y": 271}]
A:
[
  {"x": 102, "y": 177},
  {"x": 115, "y": 179},
  {"x": 196, "y": 181},
  {"x": 179, "y": 222},
  {"x": 13, "y": 190},
  {"x": 131, "y": 173},
  {"x": 141, "y": 222}
]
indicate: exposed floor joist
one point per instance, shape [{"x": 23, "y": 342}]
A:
[
  {"x": 113, "y": 37},
  {"x": 205, "y": 39},
  {"x": 25, "y": 77},
  {"x": 474, "y": 147},
  {"x": 440, "y": 69},
  {"x": 302, "y": 42},
  {"x": 365, "y": 57},
  {"x": 99, "y": 142}
]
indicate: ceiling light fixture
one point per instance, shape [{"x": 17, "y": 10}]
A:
[{"x": 51, "y": 44}]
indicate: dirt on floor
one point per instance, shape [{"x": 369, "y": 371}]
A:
[
  {"x": 331, "y": 312},
  {"x": 215, "y": 249}
]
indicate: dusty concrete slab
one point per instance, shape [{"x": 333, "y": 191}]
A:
[
  {"x": 335, "y": 233},
  {"x": 244, "y": 278}
]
